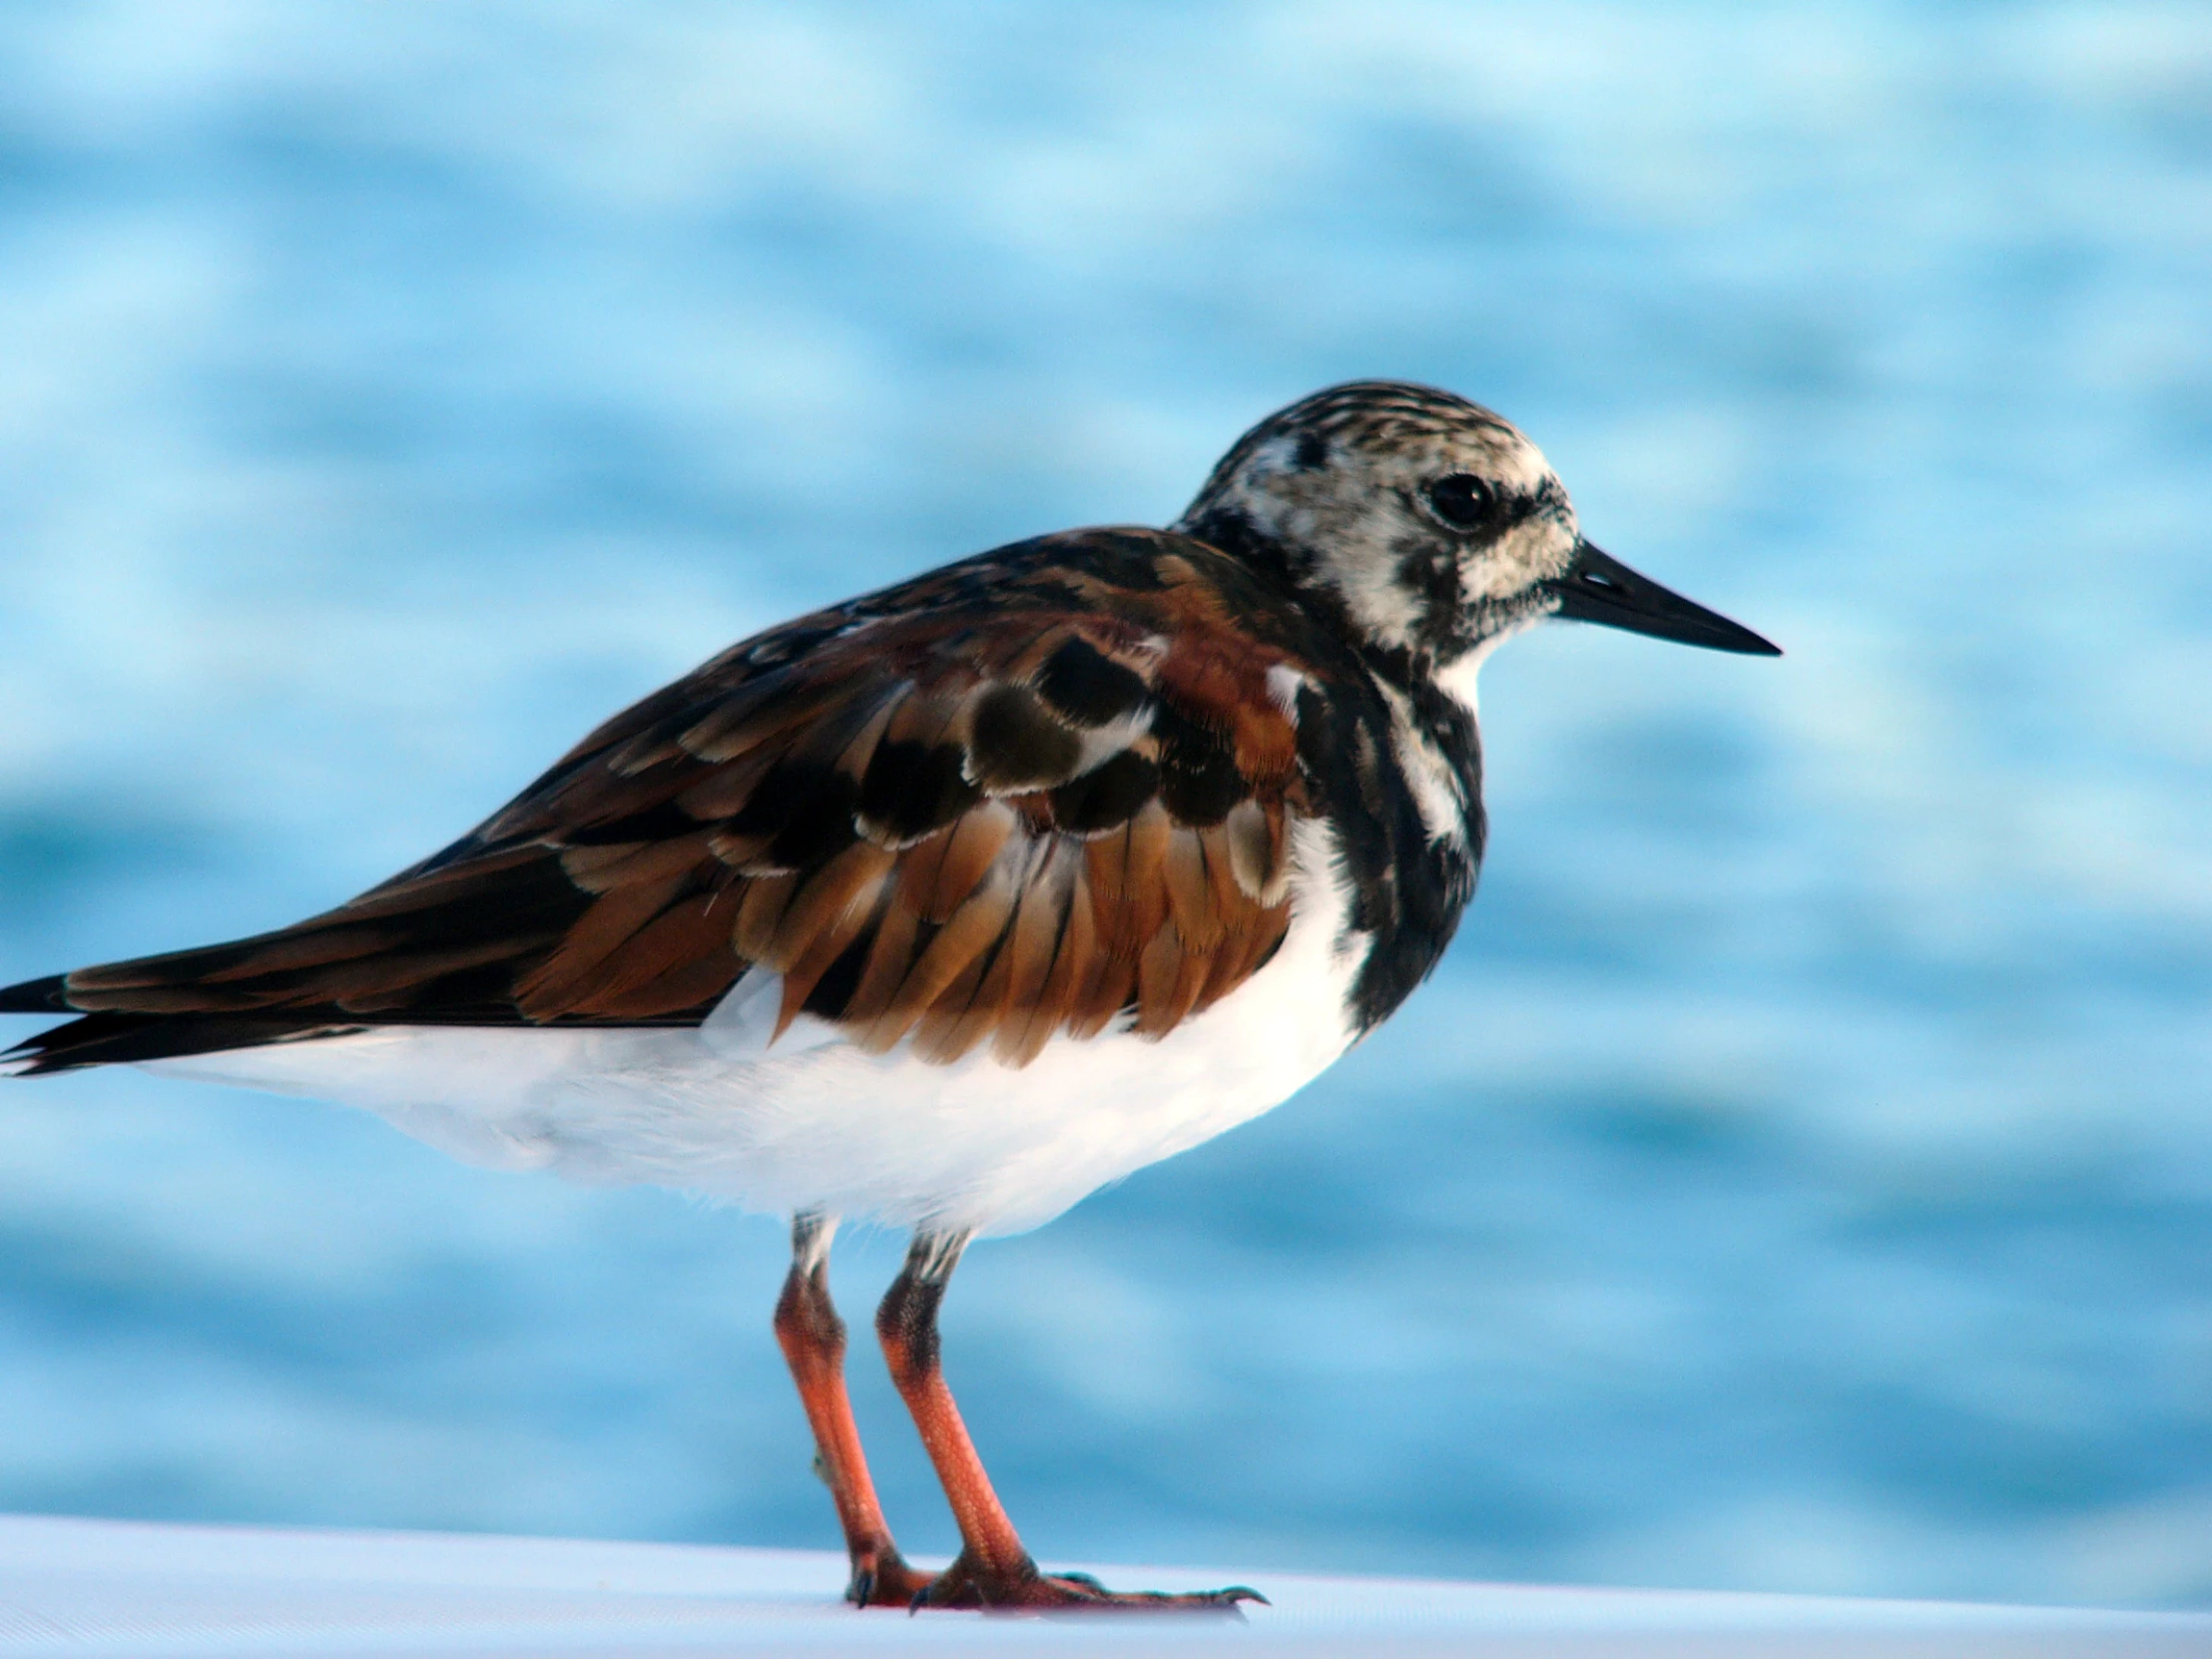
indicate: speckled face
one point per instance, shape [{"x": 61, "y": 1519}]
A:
[{"x": 1432, "y": 521}]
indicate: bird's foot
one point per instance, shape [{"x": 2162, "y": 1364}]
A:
[
  {"x": 881, "y": 1578},
  {"x": 1026, "y": 1590}
]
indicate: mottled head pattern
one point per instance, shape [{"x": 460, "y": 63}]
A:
[{"x": 1430, "y": 521}]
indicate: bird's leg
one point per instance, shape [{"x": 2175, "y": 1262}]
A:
[
  {"x": 812, "y": 1340},
  {"x": 992, "y": 1568},
  {"x": 991, "y": 1552}
]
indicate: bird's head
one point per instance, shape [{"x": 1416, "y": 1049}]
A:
[{"x": 1433, "y": 525}]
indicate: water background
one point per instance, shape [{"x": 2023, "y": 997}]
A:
[{"x": 1798, "y": 1176}]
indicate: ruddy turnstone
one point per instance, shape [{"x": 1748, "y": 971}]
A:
[{"x": 946, "y": 906}]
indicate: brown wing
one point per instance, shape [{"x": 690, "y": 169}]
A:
[{"x": 951, "y": 819}]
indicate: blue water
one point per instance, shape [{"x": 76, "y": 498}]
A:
[{"x": 1798, "y": 1176}]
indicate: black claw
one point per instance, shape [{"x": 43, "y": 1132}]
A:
[
  {"x": 1242, "y": 1592},
  {"x": 861, "y": 1588}
]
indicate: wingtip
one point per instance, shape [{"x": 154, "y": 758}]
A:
[
  {"x": 36, "y": 996},
  {"x": 30, "y": 1058}
]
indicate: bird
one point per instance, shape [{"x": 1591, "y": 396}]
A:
[{"x": 946, "y": 906}]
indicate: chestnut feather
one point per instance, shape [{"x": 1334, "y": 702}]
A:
[
  {"x": 760, "y": 916},
  {"x": 1192, "y": 902},
  {"x": 601, "y": 931},
  {"x": 837, "y": 887},
  {"x": 950, "y": 949},
  {"x": 678, "y": 959},
  {"x": 1128, "y": 897},
  {"x": 938, "y": 883},
  {"x": 890, "y": 954}
]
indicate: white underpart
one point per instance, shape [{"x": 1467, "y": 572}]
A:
[
  {"x": 1458, "y": 676},
  {"x": 1460, "y": 672},
  {"x": 811, "y": 1122}
]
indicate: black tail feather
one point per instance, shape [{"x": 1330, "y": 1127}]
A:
[
  {"x": 112, "y": 1039},
  {"x": 36, "y": 996}
]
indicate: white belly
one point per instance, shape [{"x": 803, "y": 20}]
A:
[{"x": 814, "y": 1123}]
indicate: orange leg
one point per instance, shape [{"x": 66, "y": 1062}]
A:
[
  {"x": 812, "y": 1338},
  {"x": 992, "y": 1569}
]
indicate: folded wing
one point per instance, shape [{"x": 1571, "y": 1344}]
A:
[{"x": 963, "y": 815}]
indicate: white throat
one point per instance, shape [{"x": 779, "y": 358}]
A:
[{"x": 1457, "y": 678}]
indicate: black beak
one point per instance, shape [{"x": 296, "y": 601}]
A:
[{"x": 1599, "y": 588}]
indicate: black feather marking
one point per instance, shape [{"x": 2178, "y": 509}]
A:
[
  {"x": 820, "y": 824},
  {"x": 1088, "y": 687},
  {"x": 914, "y": 788},
  {"x": 36, "y": 996},
  {"x": 1279, "y": 565},
  {"x": 1139, "y": 551},
  {"x": 480, "y": 995},
  {"x": 1199, "y": 779},
  {"x": 1108, "y": 795},
  {"x": 806, "y": 806},
  {"x": 833, "y": 990},
  {"x": 1408, "y": 891},
  {"x": 661, "y": 821},
  {"x": 525, "y": 898},
  {"x": 1013, "y": 745},
  {"x": 126, "y": 1039}
]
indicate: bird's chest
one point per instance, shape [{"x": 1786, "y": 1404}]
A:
[{"x": 1398, "y": 779}]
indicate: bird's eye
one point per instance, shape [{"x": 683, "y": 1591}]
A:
[{"x": 1462, "y": 500}]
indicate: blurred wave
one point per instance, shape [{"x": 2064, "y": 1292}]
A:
[{"x": 1798, "y": 1176}]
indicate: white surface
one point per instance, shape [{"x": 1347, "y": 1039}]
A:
[{"x": 107, "y": 1587}]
